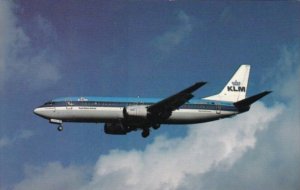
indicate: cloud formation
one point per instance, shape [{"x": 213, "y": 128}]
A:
[
  {"x": 52, "y": 176},
  {"x": 167, "y": 163},
  {"x": 21, "y": 135},
  {"x": 173, "y": 37},
  {"x": 20, "y": 62}
]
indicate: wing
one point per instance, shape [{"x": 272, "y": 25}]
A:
[{"x": 163, "y": 109}]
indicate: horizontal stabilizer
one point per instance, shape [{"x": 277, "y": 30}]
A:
[{"x": 250, "y": 100}]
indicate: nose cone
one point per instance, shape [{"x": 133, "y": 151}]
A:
[
  {"x": 44, "y": 112},
  {"x": 37, "y": 111}
]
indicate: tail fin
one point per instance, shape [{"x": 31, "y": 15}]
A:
[{"x": 236, "y": 88}]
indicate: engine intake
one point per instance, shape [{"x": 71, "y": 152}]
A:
[{"x": 136, "y": 111}]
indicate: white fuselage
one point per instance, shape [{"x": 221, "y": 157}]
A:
[{"x": 103, "y": 114}]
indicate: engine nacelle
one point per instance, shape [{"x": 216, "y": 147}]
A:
[
  {"x": 115, "y": 128},
  {"x": 136, "y": 111}
]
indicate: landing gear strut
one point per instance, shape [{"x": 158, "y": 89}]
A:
[
  {"x": 146, "y": 133},
  {"x": 60, "y": 127},
  {"x": 59, "y": 122}
]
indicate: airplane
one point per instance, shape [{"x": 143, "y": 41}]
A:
[{"x": 122, "y": 115}]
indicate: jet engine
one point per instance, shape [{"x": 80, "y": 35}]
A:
[
  {"x": 115, "y": 129},
  {"x": 136, "y": 112}
]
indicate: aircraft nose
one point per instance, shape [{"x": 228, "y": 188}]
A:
[{"x": 37, "y": 111}]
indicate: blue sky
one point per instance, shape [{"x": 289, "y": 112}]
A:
[{"x": 50, "y": 49}]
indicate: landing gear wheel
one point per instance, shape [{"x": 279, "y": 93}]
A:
[
  {"x": 156, "y": 126},
  {"x": 145, "y": 133},
  {"x": 60, "y": 128}
]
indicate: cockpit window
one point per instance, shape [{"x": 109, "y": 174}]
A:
[{"x": 48, "y": 103}]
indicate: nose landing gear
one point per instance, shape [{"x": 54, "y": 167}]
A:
[
  {"x": 59, "y": 122},
  {"x": 60, "y": 127}
]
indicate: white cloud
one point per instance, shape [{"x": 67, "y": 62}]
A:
[
  {"x": 21, "y": 135},
  {"x": 5, "y": 37},
  {"x": 288, "y": 72},
  {"x": 53, "y": 176},
  {"x": 20, "y": 62},
  {"x": 173, "y": 37},
  {"x": 166, "y": 163}
]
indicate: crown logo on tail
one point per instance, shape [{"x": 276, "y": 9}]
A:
[{"x": 236, "y": 83}]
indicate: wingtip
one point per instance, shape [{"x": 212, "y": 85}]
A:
[
  {"x": 201, "y": 83},
  {"x": 268, "y": 92}
]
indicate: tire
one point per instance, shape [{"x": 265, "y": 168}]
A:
[
  {"x": 60, "y": 128},
  {"x": 156, "y": 126},
  {"x": 145, "y": 133}
]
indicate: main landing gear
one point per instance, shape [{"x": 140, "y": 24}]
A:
[
  {"x": 156, "y": 126},
  {"x": 146, "y": 132}
]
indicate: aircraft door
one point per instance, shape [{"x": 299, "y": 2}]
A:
[
  {"x": 218, "y": 109},
  {"x": 69, "y": 105}
]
